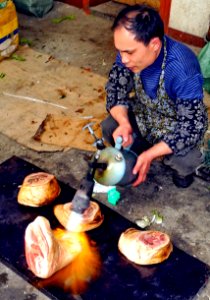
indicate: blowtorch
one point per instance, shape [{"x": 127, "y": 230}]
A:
[
  {"x": 110, "y": 166},
  {"x": 81, "y": 200}
]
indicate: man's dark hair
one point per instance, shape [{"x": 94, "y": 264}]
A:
[{"x": 142, "y": 20}]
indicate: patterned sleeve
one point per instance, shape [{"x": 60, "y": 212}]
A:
[
  {"x": 118, "y": 87},
  {"x": 192, "y": 122}
]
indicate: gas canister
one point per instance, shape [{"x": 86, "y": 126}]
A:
[{"x": 120, "y": 163}]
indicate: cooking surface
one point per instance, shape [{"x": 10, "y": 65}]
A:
[{"x": 179, "y": 277}]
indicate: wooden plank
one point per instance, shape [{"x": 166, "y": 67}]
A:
[
  {"x": 186, "y": 37},
  {"x": 165, "y": 8}
]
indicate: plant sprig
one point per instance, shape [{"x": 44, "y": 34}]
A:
[
  {"x": 145, "y": 221},
  {"x": 18, "y": 57},
  {"x": 2, "y": 75},
  {"x": 61, "y": 19}
]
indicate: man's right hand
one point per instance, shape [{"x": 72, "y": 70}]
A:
[
  {"x": 125, "y": 131},
  {"x": 120, "y": 114}
]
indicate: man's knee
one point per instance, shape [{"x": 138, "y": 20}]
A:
[
  {"x": 184, "y": 165},
  {"x": 108, "y": 126},
  {"x": 105, "y": 125}
]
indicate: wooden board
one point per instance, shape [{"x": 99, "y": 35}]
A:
[
  {"x": 41, "y": 85},
  {"x": 180, "y": 277}
]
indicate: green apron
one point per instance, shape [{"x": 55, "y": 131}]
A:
[{"x": 155, "y": 117}]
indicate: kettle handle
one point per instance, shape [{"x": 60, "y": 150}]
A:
[{"x": 118, "y": 142}]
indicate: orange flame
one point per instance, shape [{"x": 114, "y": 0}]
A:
[{"x": 77, "y": 275}]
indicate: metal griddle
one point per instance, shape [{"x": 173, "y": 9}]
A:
[{"x": 180, "y": 277}]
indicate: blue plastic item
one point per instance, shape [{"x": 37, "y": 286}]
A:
[{"x": 113, "y": 196}]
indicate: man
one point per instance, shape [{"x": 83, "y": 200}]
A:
[{"x": 166, "y": 116}]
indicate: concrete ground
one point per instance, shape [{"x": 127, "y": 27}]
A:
[{"x": 87, "y": 42}]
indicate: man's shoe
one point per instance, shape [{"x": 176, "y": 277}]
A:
[
  {"x": 183, "y": 181},
  {"x": 203, "y": 172}
]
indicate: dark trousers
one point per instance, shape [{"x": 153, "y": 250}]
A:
[
  {"x": 109, "y": 125},
  {"x": 183, "y": 165}
]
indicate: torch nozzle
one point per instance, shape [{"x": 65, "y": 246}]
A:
[{"x": 80, "y": 203}]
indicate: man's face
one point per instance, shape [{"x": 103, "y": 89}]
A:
[{"x": 135, "y": 55}]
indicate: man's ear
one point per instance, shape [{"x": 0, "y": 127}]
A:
[{"x": 155, "y": 43}]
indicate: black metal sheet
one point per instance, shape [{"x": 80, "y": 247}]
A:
[{"x": 179, "y": 277}]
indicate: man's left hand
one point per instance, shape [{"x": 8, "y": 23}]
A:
[
  {"x": 145, "y": 159},
  {"x": 142, "y": 167}
]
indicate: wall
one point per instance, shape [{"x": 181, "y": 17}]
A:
[{"x": 190, "y": 16}]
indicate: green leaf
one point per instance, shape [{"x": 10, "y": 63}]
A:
[
  {"x": 59, "y": 20},
  {"x": 157, "y": 217},
  {"x": 2, "y": 75},
  {"x": 144, "y": 222},
  {"x": 17, "y": 57},
  {"x": 25, "y": 41}
]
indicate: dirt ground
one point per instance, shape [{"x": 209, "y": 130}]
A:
[{"x": 87, "y": 42}]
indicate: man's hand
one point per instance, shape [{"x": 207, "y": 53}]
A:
[
  {"x": 142, "y": 167},
  {"x": 120, "y": 114},
  {"x": 145, "y": 159},
  {"x": 125, "y": 131}
]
